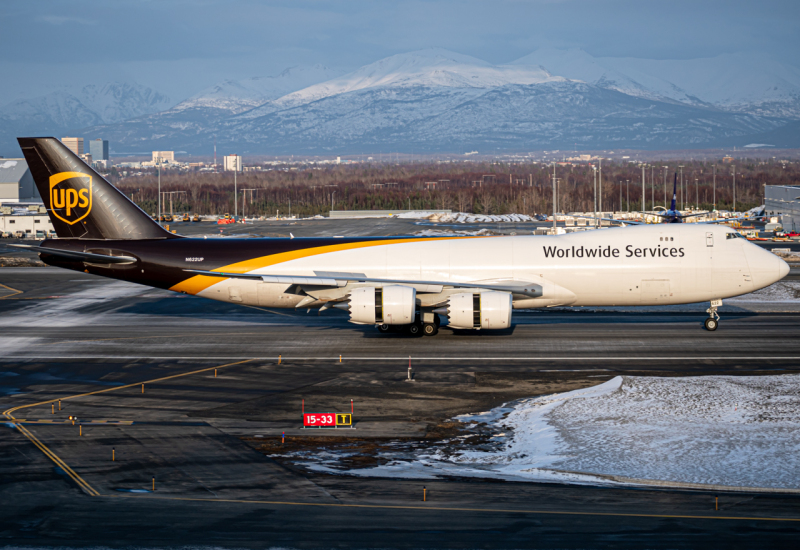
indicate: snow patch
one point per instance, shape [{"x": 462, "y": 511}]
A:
[{"x": 733, "y": 431}]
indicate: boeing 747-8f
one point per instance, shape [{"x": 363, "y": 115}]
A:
[{"x": 474, "y": 282}]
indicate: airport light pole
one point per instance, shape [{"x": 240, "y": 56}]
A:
[
  {"x": 652, "y": 188},
  {"x": 235, "y": 193},
  {"x": 665, "y": 188},
  {"x": 628, "y": 195},
  {"x": 644, "y": 195},
  {"x": 158, "y": 161},
  {"x": 733, "y": 172},
  {"x": 681, "y": 167},
  {"x": 554, "y": 198},
  {"x": 594, "y": 169},
  {"x": 715, "y": 187},
  {"x": 600, "y": 185}
]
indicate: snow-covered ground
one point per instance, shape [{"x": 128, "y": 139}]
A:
[
  {"x": 463, "y": 217},
  {"x": 733, "y": 431}
]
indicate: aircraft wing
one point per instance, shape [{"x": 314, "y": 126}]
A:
[
  {"x": 73, "y": 255},
  {"x": 340, "y": 280},
  {"x": 726, "y": 220},
  {"x": 625, "y": 222}
]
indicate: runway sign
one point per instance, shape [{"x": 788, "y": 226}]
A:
[
  {"x": 319, "y": 420},
  {"x": 327, "y": 420}
]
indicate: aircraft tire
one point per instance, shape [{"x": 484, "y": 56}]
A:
[
  {"x": 414, "y": 329},
  {"x": 711, "y": 324},
  {"x": 384, "y": 328},
  {"x": 430, "y": 329}
]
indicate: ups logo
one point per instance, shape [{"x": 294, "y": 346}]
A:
[{"x": 70, "y": 196}]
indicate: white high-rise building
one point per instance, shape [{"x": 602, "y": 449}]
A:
[
  {"x": 161, "y": 157},
  {"x": 233, "y": 163},
  {"x": 74, "y": 144}
]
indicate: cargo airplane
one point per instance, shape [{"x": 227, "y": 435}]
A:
[{"x": 407, "y": 283}]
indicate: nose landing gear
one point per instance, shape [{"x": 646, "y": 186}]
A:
[{"x": 712, "y": 322}]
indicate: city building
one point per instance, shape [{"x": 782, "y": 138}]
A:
[
  {"x": 783, "y": 201},
  {"x": 233, "y": 163},
  {"x": 87, "y": 158},
  {"x": 74, "y": 144},
  {"x": 16, "y": 182},
  {"x": 98, "y": 148},
  {"x": 162, "y": 157}
]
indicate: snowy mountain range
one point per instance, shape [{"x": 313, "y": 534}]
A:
[
  {"x": 436, "y": 100},
  {"x": 69, "y": 110},
  {"x": 741, "y": 83}
]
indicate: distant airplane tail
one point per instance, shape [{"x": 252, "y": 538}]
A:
[
  {"x": 80, "y": 202},
  {"x": 674, "y": 194}
]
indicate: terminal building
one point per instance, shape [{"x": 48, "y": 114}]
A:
[{"x": 783, "y": 201}]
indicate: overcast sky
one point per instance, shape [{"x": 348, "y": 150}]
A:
[{"x": 181, "y": 46}]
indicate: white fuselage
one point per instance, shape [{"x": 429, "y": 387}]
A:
[{"x": 640, "y": 265}]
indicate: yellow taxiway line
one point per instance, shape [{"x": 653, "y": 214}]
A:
[
  {"x": 82, "y": 483},
  {"x": 14, "y": 290}
]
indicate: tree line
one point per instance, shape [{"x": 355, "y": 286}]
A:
[{"x": 481, "y": 188}]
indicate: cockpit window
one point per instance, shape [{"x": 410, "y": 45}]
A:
[{"x": 734, "y": 236}]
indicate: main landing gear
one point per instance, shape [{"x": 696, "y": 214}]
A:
[
  {"x": 712, "y": 322},
  {"x": 418, "y": 328}
]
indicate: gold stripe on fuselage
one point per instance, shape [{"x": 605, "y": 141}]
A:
[{"x": 199, "y": 283}]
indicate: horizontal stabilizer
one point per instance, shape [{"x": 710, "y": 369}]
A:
[{"x": 83, "y": 256}]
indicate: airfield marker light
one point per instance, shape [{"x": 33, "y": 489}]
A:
[
  {"x": 716, "y": 503},
  {"x": 215, "y": 373},
  {"x": 280, "y": 358},
  {"x": 53, "y": 408},
  {"x": 112, "y": 454},
  {"x": 424, "y": 494},
  {"x": 283, "y": 438},
  {"x": 59, "y": 404},
  {"x": 154, "y": 483},
  {"x": 80, "y": 429},
  {"x": 340, "y": 358},
  {"x": 352, "y": 410}
]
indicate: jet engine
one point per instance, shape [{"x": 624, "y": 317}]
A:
[
  {"x": 390, "y": 305},
  {"x": 479, "y": 310}
]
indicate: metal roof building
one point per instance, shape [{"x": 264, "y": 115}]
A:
[
  {"x": 783, "y": 201},
  {"x": 16, "y": 182}
]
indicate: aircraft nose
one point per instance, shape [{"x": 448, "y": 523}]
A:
[{"x": 783, "y": 268}]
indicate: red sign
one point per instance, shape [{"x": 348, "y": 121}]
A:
[{"x": 319, "y": 419}]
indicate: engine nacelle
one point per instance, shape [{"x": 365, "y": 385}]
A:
[
  {"x": 390, "y": 305},
  {"x": 479, "y": 310}
]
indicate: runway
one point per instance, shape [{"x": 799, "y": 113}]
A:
[{"x": 183, "y": 389}]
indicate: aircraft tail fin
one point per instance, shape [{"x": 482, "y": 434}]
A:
[
  {"x": 80, "y": 202},
  {"x": 674, "y": 194}
]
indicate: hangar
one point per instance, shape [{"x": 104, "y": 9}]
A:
[{"x": 16, "y": 182}]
